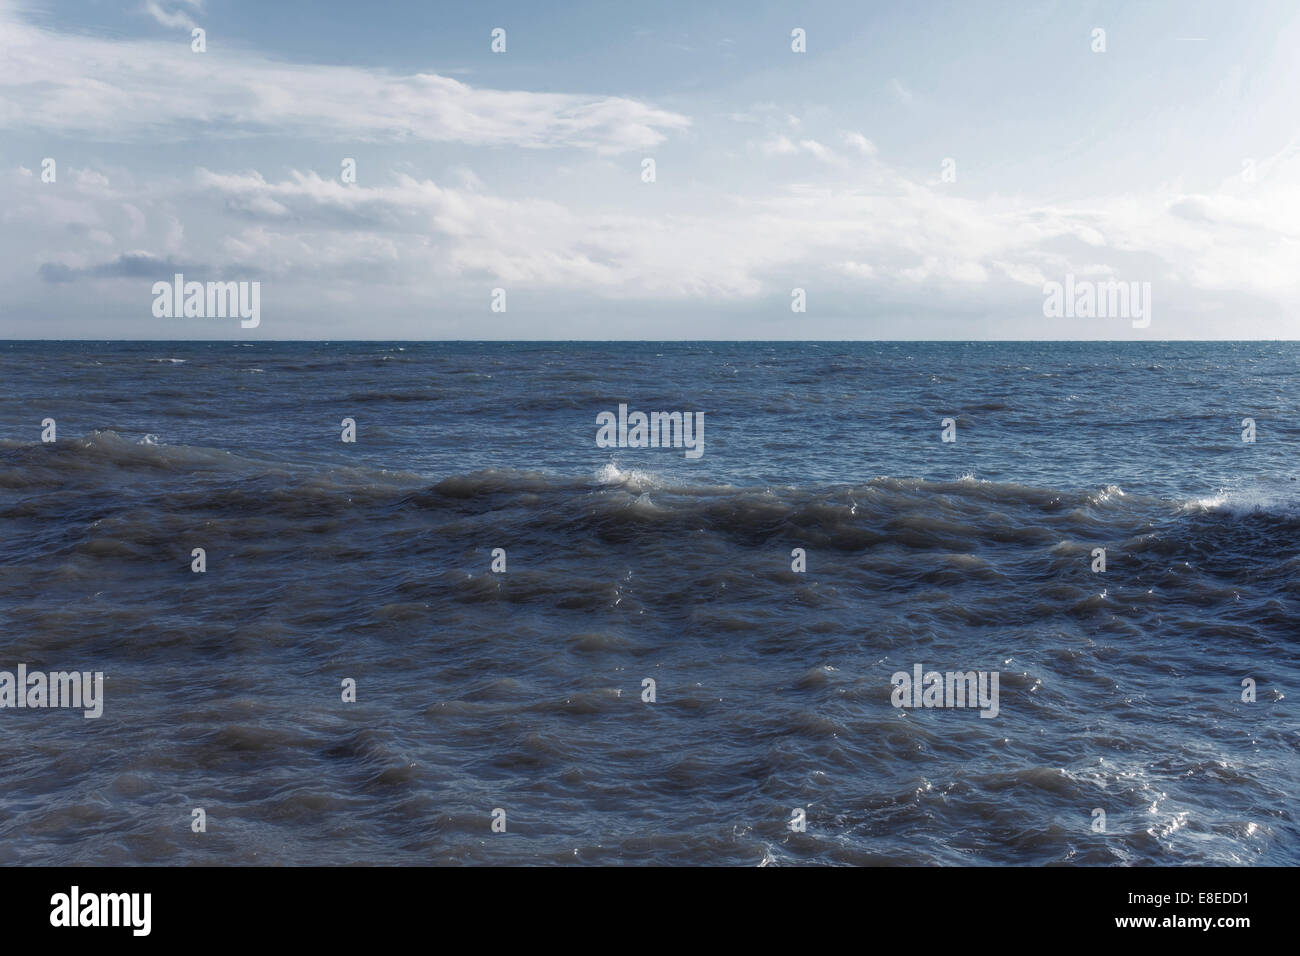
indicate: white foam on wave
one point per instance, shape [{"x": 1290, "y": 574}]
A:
[
  {"x": 1106, "y": 494},
  {"x": 633, "y": 479},
  {"x": 1246, "y": 501}
]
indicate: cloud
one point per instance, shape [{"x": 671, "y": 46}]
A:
[
  {"x": 860, "y": 143},
  {"x": 901, "y": 92},
  {"x": 131, "y": 265},
  {"x": 858, "y": 270},
  {"x": 135, "y": 90},
  {"x": 881, "y": 237},
  {"x": 886, "y": 231},
  {"x": 817, "y": 149},
  {"x": 779, "y": 146},
  {"x": 783, "y": 146},
  {"x": 173, "y": 18}
]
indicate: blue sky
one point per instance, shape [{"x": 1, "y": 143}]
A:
[{"x": 1171, "y": 158}]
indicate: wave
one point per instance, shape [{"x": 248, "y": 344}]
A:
[
  {"x": 997, "y": 506},
  {"x": 36, "y": 464},
  {"x": 1281, "y": 501}
]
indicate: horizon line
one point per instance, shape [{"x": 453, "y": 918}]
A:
[{"x": 331, "y": 341}]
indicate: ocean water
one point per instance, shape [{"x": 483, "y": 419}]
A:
[{"x": 523, "y": 691}]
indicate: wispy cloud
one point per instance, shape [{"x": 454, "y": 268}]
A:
[
  {"x": 860, "y": 143},
  {"x": 901, "y": 92},
  {"x": 134, "y": 90},
  {"x": 173, "y": 15},
  {"x": 887, "y": 234}
]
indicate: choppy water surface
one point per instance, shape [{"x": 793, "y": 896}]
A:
[{"x": 522, "y": 690}]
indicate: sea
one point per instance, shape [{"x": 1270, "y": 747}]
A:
[{"x": 480, "y": 633}]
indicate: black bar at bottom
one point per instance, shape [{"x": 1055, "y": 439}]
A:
[{"x": 337, "y": 906}]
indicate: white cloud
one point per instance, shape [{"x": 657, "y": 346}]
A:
[
  {"x": 780, "y": 146},
  {"x": 817, "y": 149},
  {"x": 901, "y": 92},
  {"x": 858, "y": 270},
  {"x": 860, "y": 143},
  {"x": 134, "y": 90},
  {"x": 888, "y": 233},
  {"x": 783, "y": 146},
  {"x": 173, "y": 17}
]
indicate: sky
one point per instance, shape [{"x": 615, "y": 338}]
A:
[{"x": 920, "y": 171}]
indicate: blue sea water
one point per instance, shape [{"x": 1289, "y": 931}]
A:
[{"x": 523, "y": 691}]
